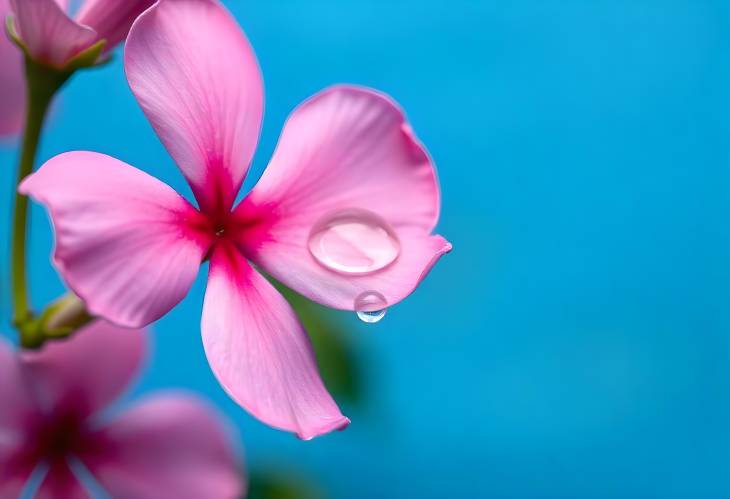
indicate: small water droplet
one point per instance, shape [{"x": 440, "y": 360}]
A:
[
  {"x": 354, "y": 242},
  {"x": 371, "y": 306},
  {"x": 372, "y": 317}
]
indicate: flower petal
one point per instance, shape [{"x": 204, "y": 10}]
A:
[
  {"x": 259, "y": 351},
  {"x": 17, "y": 411},
  {"x": 61, "y": 483},
  {"x": 197, "y": 79},
  {"x": 111, "y": 19},
  {"x": 85, "y": 373},
  {"x": 345, "y": 149},
  {"x": 12, "y": 82},
  {"x": 14, "y": 475},
  {"x": 170, "y": 446},
  {"x": 18, "y": 405},
  {"x": 48, "y": 33},
  {"x": 125, "y": 242}
]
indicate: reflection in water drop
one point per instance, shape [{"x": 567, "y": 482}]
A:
[
  {"x": 372, "y": 317},
  {"x": 371, "y": 306},
  {"x": 354, "y": 242}
]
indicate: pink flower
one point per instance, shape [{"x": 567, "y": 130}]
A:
[
  {"x": 349, "y": 189},
  {"x": 52, "y": 416},
  {"x": 52, "y": 37},
  {"x": 12, "y": 83}
]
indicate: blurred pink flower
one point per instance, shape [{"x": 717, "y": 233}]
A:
[
  {"x": 12, "y": 82},
  {"x": 51, "y": 415},
  {"x": 53, "y": 37},
  {"x": 131, "y": 247}
]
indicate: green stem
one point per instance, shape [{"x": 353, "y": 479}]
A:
[{"x": 42, "y": 84}]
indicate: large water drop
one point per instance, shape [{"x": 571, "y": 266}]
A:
[{"x": 354, "y": 242}]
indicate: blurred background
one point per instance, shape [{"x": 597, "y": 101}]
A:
[{"x": 575, "y": 344}]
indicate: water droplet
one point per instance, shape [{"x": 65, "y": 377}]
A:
[
  {"x": 371, "y": 306},
  {"x": 354, "y": 242},
  {"x": 372, "y": 317}
]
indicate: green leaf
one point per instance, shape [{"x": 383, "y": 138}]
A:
[
  {"x": 280, "y": 485},
  {"x": 87, "y": 58},
  {"x": 12, "y": 33}
]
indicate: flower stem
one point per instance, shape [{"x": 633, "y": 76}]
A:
[{"x": 42, "y": 84}]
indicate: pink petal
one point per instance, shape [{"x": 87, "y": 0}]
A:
[
  {"x": 259, "y": 351},
  {"x": 16, "y": 468},
  {"x": 17, "y": 410},
  {"x": 196, "y": 77},
  {"x": 125, "y": 242},
  {"x": 17, "y": 404},
  {"x": 61, "y": 483},
  {"x": 12, "y": 82},
  {"x": 48, "y": 33},
  {"x": 344, "y": 149},
  {"x": 111, "y": 18},
  {"x": 85, "y": 373},
  {"x": 14, "y": 476},
  {"x": 170, "y": 446}
]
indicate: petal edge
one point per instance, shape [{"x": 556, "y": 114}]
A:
[
  {"x": 126, "y": 243},
  {"x": 260, "y": 353},
  {"x": 197, "y": 79},
  {"x": 345, "y": 149}
]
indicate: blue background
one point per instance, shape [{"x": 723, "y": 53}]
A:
[{"x": 575, "y": 343}]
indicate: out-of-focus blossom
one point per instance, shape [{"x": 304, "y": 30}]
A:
[
  {"x": 52, "y": 37},
  {"x": 52, "y": 417},
  {"x": 12, "y": 82},
  {"x": 348, "y": 171}
]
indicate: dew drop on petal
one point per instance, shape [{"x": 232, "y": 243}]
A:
[
  {"x": 372, "y": 317},
  {"x": 353, "y": 242},
  {"x": 371, "y": 306}
]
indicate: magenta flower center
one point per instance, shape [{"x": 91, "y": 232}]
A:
[
  {"x": 214, "y": 230},
  {"x": 221, "y": 227},
  {"x": 59, "y": 435}
]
